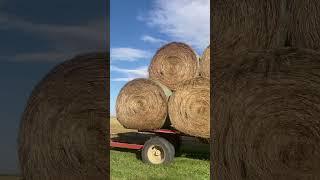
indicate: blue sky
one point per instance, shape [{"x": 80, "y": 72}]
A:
[
  {"x": 139, "y": 28},
  {"x": 36, "y": 35}
]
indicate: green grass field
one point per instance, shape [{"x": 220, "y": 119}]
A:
[
  {"x": 192, "y": 164},
  {"x": 126, "y": 165}
]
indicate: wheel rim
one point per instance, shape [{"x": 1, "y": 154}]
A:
[{"x": 155, "y": 154}]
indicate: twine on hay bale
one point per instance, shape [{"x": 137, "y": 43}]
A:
[
  {"x": 173, "y": 64},
  {"x": 189, "y": 107},
  {"x": 204, "y": 65},
  {"x": 63, "y": 129},
  {"x": 238, "y": 25},
  {"x": 142, "y": 104},
  {"x": 266, "y": 116}
]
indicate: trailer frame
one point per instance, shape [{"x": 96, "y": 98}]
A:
[{"x": 159, "y": 149}]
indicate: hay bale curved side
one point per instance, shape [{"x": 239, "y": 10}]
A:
[
  {"x": 204, "y": 65},
  {"x": 303, "y": 25},
  {"x": 189, "y": 107},
  {"x": 142, "y": 104},
  {"x": 174, "y": 63},
  {"x": 63, "y": 128},
  {"x": 266, "y": 116},
  {"x": 238, "y": 25}
]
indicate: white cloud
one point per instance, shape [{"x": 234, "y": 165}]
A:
[
  {"x": 150, "y": 39},
  {"x": 128, "y": 54},
  {"x": 182, "y": 20},
  {"x": 122, "y": 79},
  {"x": 140, "y": 72}
]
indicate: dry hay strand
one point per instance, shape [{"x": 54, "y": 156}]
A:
[
  {"x": 63, "y": 128},
  {"x": 303, "y": 25},
  {"x": 189, "y": 107},
  {"x": 204, "y": 64},
  {"x": 266, "y": 116},
  {"x": 174, "y": 63},
  {"x": 142, "y": 104},
  {"x": 239, "y": 25}
]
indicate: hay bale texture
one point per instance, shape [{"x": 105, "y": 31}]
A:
[
  {"x": 189, "y": 107},
  {"x": 174, "y": 63},
  {"x": 303, "y": 23},
  {"x": 239, "y": 25},
  {"x": 63, "y": 132},
  {"x": 142, "y": 104},
  {"x": 266, "y": 120},
  {"x": 205, "y": 63}
]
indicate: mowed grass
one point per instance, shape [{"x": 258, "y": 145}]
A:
[
  {"x": 193, "y": 161},
  {"x": 125, "y": 165}
]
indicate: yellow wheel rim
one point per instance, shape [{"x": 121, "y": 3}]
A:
[{"x": 155, "y": 154}]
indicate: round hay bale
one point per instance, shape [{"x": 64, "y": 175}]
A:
[
  {"x": 142, "y": 104},
  {"x": 238, "y": 25},
  {"x": 205, "y": 63},
  {"x": 189, "y": 107},
  {"x": 303, "y": 25},
  {"x": 266, "y": 116},
  {"x": 173, "y": 64},
  {"x": 63, "y": 128}
]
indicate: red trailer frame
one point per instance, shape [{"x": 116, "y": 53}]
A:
[
  {"x": 127, "y": 145},
  {"x": 115, "y": 144}
]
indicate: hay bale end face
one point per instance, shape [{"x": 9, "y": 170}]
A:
[
  {"x": 63, "y": 129},
  {"x": 173, "y": 64},
  {"x": 266, "y": 116},
  {"x": 189, "y": 107},
  {"x": 142, "y": 104},
  {"x": 205, "y": 63}
]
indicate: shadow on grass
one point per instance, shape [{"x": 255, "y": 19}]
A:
[
  {"x": 195, "y": 151},
  {"x": 199, "y": 156}
]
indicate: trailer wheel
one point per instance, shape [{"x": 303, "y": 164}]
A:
[{"x": 158, "y": 150}]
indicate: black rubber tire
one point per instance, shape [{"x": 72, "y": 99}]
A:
[
  {"x": 166, "y": 146},
  {"x": 175, "y": 140}
]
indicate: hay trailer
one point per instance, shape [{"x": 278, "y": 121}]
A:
[{"x": 159, "y": 149}]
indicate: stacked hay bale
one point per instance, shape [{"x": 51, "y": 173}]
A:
[
  {"x": 175, "y": 94},
  {"x": 189, "y": 107},
  {"x": 173, "y": 64},
  {"x": 63, "y": 129},
  {"x": 205, "y": 63},
  {"x": 266, "y": 116},
  {"x": 266, "y": 90},
  {"x": 142, "y": 104}
]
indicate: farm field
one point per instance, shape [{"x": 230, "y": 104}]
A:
[
  {"x": 193, "y": 161},
  {"x": 125, "y": 165}
]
